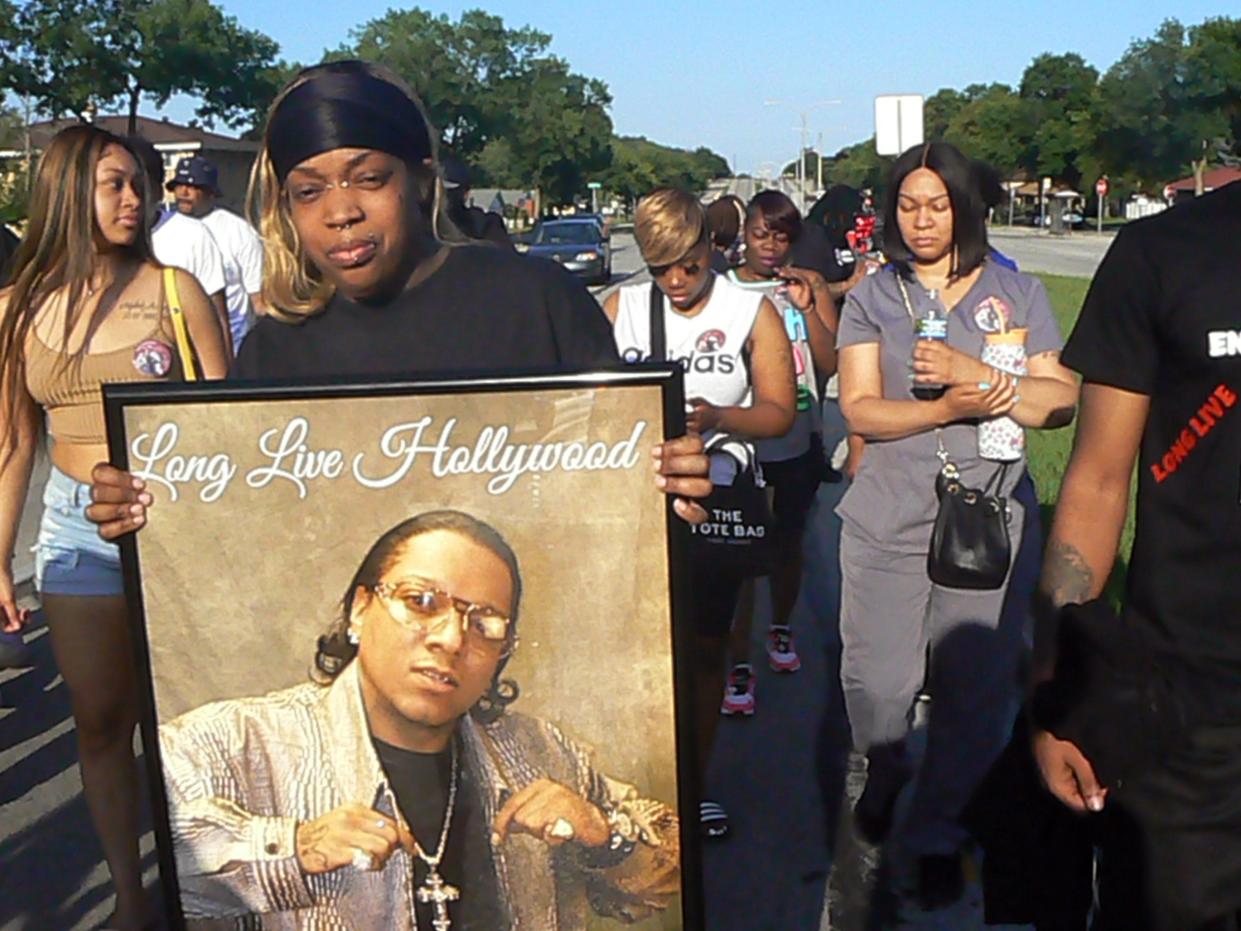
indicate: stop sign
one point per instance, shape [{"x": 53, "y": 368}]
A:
[{"x": 1100, "y": 187}]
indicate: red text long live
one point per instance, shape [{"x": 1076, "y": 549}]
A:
[{"x": 1218, "y": 403}]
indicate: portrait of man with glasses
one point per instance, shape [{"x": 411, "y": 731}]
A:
[{"x": 397, "y": 790}]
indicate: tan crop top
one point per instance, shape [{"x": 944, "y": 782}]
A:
[{"x": 69, "y": 389}]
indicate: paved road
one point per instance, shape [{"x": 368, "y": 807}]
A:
[
  {"x": 1076, "y": 254},
  {"x": 627, "y": 265}
]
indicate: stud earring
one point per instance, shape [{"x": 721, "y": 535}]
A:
[{"x": 354, "y": 637}]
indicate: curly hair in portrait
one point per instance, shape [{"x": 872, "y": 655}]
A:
[{"x": 334, "y": 651}]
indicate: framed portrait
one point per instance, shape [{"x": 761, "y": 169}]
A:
[{"x": 409, "y": 653}]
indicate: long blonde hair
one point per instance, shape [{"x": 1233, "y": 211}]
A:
[
  {"x": 58, "y": 251},
  {"x": 293, "y": 287}
]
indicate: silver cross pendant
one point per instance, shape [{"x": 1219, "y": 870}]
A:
[{"x": 438, "y": 893}]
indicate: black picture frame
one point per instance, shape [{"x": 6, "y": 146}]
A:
[{"x": 118, "y": 399}]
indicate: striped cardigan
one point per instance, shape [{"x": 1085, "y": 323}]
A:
[{"x": 241, "y": 775}]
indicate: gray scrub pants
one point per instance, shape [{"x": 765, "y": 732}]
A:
[{"x": 891, "y": 618}]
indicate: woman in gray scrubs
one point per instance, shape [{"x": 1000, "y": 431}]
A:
[{"x": 899, "y": 629}]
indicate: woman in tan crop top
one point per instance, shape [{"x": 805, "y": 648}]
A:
[{"x": 84, "y": 305}]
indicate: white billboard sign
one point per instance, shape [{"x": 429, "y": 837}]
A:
[{"x": 898, "y": 123}]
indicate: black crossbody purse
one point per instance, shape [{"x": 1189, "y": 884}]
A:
[
  {"x": 970, "y": 546},
  {"x": 735, "y": 540}
]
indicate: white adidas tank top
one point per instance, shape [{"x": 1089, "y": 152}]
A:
[{"x": 710, "y": 346}]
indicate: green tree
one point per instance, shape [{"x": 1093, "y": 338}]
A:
[
  {"x": 496, "y": 166},
  {"x": 561, "y": 134},
  {"x": 995, "y": 126},
  {"x": 1170, "y": 102},
  {"x": 939, "y": 110},
  {"x": 709, "y": 165},
  {"x": 483, "y": 82},
  {"x": 77, "y": 58},
  {"x": 1213, "y": 78},
  {"x": 859, "y": 166},
  {"x": 12, "y": 128},
  {"x": 1062, "y": 94},
  {"x": 468, "y": 73},
  {"x": 640, "y": 165}
]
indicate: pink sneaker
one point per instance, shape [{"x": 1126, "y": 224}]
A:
[
  {"x": 739, "y": 691},
  {"x": 780, "y": 650}
]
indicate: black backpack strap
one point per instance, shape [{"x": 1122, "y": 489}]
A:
[{"x": 659, "y": 339}]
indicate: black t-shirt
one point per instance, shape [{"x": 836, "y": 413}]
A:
[
  {"x": 816, "y": 251},
  {"x": 484, "y": 310},
  {"x": 1163, "y": 318},
  {"x": 420, "y": 782}
]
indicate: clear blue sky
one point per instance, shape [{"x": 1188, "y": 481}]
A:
[{"x": 696, "y": 73}]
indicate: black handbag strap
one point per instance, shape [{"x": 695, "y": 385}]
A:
[
  {"x": 996, "y": 481},
  {"x": 659, "y": 337}
]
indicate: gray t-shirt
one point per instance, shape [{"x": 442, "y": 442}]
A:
[{"x": 892, "y": 499}]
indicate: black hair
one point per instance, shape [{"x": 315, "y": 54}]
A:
[
  {"x": 990, "y": 187},
  {"x": 777, "y": 211},
  {"x": 335, "y": 652},
  {"x": 969, "y": 209},
  {"x": 837, "y": 211},
  {"x": 724, "y": 218}
]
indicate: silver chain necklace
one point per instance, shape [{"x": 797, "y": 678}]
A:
[{"x": 434, "y": 890}]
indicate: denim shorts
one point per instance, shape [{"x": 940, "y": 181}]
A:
[{"x": 70, "y": 557}]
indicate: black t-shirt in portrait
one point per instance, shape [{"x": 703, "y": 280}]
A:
[
  {"x": 421, "y": 784},
  {"x": 484, "y": 310},
  {"x": 1163, "y": 318}
]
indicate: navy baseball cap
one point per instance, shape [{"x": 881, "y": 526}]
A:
[{"x": 197, "y": 171}]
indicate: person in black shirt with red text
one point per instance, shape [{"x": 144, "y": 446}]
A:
[{"x": 1152, "y": 740}]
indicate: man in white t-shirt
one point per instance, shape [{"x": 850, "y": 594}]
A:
[
  {"x": 196, "y": 187},
  {"x": 182, "y": 241}
]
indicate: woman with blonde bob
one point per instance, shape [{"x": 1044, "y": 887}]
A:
[
  {"x": 366, "y": 278},
  {"x": 739, "y": 385},
  {"x": 85, "y": 304}
]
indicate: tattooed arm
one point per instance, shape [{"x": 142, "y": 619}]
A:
[
  {"x": 1090, "y": 513},
  {"x": 1080, "y": 553}
]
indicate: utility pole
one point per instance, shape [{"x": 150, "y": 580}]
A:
[
  {"x": 818, "y": 154},
  {"x": 801, "y": 160},
  {"x": 801, "y": 166}
]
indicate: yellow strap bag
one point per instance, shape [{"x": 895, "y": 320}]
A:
[{"x": 185, "y": 347}]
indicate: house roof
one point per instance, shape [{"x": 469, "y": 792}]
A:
[
  {"x": 158, "y": 132},
  {"x": 1212, "y": 179},
  {"x": 485, "y": 197}
]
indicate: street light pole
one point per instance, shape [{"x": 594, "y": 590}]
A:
[
  {"x": 801, "y": 165},
  {"x": 801, "y": 159},
  {"x": 818, "y": 156}
]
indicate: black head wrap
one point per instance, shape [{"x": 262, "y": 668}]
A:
[{"x": 345, "y": 109}]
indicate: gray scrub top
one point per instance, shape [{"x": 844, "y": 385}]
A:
[{"x": 892, "y": 499}]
